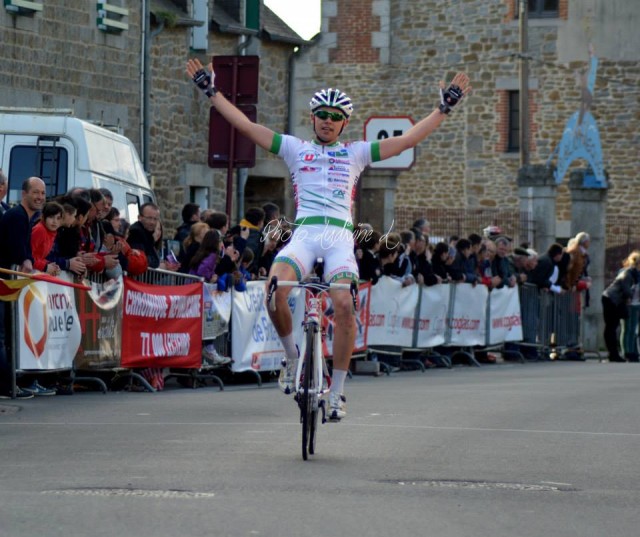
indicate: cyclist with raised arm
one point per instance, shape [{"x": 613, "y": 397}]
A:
[{"x": 324, "y": 172}]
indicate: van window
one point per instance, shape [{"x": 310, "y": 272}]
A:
[
  {"x": 48, "y": 163},
  {"x": 133, "y": 208}
]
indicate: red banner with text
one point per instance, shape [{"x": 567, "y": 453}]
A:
[{"x": 162, "y": 325}]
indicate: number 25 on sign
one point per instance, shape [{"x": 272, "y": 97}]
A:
[{"x": 381, "y": 127}]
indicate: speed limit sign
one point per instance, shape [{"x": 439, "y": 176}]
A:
[{"x": 381, "y": 127}]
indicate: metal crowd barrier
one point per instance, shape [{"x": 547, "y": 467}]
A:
[
  {"x": 462, "y": 354},
  {"x": 550, "y": 321},
  {"x": 193, "y": 378},
  {"x": 12, "y": 339},
  {"x": 100, "y": 278},
  {"x": 415, "y": 357},
  {"x": 153, "y": 276}
]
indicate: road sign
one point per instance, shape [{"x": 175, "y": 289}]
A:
[
  {"x": 237, "y": 77},
  {"x": 381, "y": 127},
  {"x": 220, "y": 143}
]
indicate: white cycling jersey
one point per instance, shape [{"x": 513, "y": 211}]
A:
[
  {"x": 324, "y": 176},
  {"x": 324, "y": 183}
]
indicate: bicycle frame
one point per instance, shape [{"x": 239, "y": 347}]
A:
[
  {"x": 314, "y": 290},
  {"x": 309, "y": 388}
]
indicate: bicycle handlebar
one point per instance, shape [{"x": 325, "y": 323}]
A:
[{"x": 316, "y": 286}]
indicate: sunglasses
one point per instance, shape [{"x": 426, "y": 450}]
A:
[{"x": 333, "y": 116}]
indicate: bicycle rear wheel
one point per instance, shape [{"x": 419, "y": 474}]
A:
[{"x": 308, "y": 410}]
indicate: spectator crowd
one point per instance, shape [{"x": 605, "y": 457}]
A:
[{"x": 82, "y": 232}]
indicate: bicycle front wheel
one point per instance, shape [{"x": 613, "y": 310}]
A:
[{"x": 308, "y": 410}]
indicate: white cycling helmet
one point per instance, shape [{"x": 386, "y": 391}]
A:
[{"x": 333, "y": 98}]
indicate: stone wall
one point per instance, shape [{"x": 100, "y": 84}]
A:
[
  {"x": 180, "y": 131},
  {"x": 387, "y": 54},
  {"x": 464, "y": 163},
  {"x": 59, "y": 59}
]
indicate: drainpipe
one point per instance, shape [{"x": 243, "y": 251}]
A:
[
  {"x": 291, "y": 63},
  {"x": 144, "y": 81},
  {"x": 147, "y": 38},
  {"x": 243, "y": 173},
  {"x": 297, "y": 52}
]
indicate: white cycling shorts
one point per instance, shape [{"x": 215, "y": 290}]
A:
[{"x": 331, "y": 243}]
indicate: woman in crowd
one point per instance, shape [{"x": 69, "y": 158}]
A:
[
  {"x": 388, "y": 252},
  {"x": 577, "y": 273},
  {"x": 367, "y": 257},
  {"x": 439, "y": 261},
  {"x": 615, "y": 303}
]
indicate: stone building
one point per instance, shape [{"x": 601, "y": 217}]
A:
[
  {"x": 387, "y": 54},
  {"x": 56, "y": 56}
]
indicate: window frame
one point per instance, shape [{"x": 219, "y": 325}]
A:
[
  {"x": 538, "y": 11},
  {"x": 513, "y": 121},
  {"x": 34, "y": 161}
]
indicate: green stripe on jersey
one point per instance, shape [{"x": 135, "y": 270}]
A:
[
  {"x": 375, "y": 152},
  {"x": 276, "y": 143}
]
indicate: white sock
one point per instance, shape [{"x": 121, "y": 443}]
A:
[
  {"x": 337, "y": 380},
  {"x": 290, "y": 349}
]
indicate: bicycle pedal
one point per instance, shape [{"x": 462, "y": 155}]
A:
[{"x": 322, "y": 407}]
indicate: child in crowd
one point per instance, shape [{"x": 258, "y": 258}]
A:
[
  {"x": 440, "y": 261},
  {"x": 43, "y": 235},
  {"x": 461, "y": 269},
  {"x": 69, "y": 215},
  {"x": 238, "y": 278},
  {"x": 245, "y": 262},
  {"x": 269, "y": 251},
  {"x": 65, "y": 248},
  {"x": 114, "y": 220},
  {"x": 205, "y": 259},
  {"x": 167, "y": 261},
  {"x": 191, "y": 244}
]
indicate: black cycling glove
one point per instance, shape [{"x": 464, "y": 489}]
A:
[
  {"x": 204, "y": 81},
  {"x": 449, "y": 98}
]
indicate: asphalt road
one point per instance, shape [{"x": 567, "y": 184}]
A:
[{"x": 545, "y": 449}]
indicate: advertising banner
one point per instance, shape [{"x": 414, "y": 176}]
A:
[
  {"x": 254, "y": 341},
  {"x": 48, "y": 326},
  {"x": 216, "y": 311},
  {"x": 468, "y": 316},
  {"x": 100, "y": 312},
  {"x": 505, "y": 321},
  {"x": 162, "y": 325},
  {"x": 432, "y": 318},
  {"x": 392, "y": 313},
  {"x": 362, "y": 315}
]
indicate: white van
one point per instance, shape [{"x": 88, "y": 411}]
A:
[{"x": 67, "y": 152}]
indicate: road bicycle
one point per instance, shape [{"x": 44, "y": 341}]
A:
[{"x": 312, "y": 378}]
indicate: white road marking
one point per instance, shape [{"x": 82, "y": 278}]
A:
[{"x": 288, "y": 424}]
